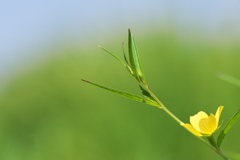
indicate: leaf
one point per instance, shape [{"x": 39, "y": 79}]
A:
[
  {"x": 229, "y": 79},
  {"x": 134, "y": 59},
  {"x": 113, "y": 55},
  {"x": 116, "y": 57},
  {"x": 146, "y": 93},
  {"x": 126, "y": 60},
  {"x": 227, "y": 127},
  {"x": 124, "y": 54},
  {"x": 124, "y": 94}
]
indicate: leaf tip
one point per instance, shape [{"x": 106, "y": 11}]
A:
[
  {"x": 84, "y": 80},
  {"x": 129, "y": 31}
]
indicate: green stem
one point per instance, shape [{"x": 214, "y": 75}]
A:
[
  {"x": 213, "y": 142},
  {"x": 161, "y": 105},
  {"x": 213, "y": 145},
  {"x": 222, "y": 154},
  {"x": 172, "y": 115}
]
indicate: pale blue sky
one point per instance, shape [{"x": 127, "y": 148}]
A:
[{"x": 30, "y": 24}]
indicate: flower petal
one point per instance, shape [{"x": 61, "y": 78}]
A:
[
  {"x": 218, "y": 113},
  {"x": 208, "y": 125},
  {"x": 191, "y": 129},
  {"x": 194, "y": 120}
]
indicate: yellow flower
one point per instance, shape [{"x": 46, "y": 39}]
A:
[{"x": 202, "y": 124}]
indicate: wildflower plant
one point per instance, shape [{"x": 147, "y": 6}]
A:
[{"x": 201, "y": 125}]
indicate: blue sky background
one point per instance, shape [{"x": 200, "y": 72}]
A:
[{"x": 27, "y": 25}]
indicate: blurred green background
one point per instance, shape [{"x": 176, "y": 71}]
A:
[{"x": 48, "y": 113}]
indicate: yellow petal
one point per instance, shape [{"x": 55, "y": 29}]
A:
[
  {"x": 191, "y": 129},
  {"x": 194, "y": 120},
  {"x": 218, "y": 113},
  {"x": 208, "y": 125}
]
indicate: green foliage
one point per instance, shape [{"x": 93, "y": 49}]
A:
[
  {"x": 227, "y": 127},
  {"x": 125, "y": 94},
  {"x": 134, "y": 59},
  {"x": 135, "y": 68},
  {"x": 47, "y": 113}
]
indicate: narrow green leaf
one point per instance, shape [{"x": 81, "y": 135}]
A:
[
  {"x": 113, "y": 55},
  {"x": 126, "y": 60},
  {"x": 227, "y": 127},
  {"x": 229, "y": 79},
  {"x": 134, "y": 59},
  {"x": 125, "y": 94},
  {"x": 146, "y": 93},
  {"x": 124, "y": 54},
  {"x": 130, "y": 52},
  {"x": 125, "y": 64}
]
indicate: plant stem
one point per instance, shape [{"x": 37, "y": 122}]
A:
[
  {"x": 172, "y": 115},
  {"x": 212, "y": 141},
  {"x": 222, "y": 154},
  {"x": 161, "y": 105},
  {"x": 213, "y": 145}
]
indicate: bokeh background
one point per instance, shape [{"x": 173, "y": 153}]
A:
[{"x": 46, "y": 47}]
